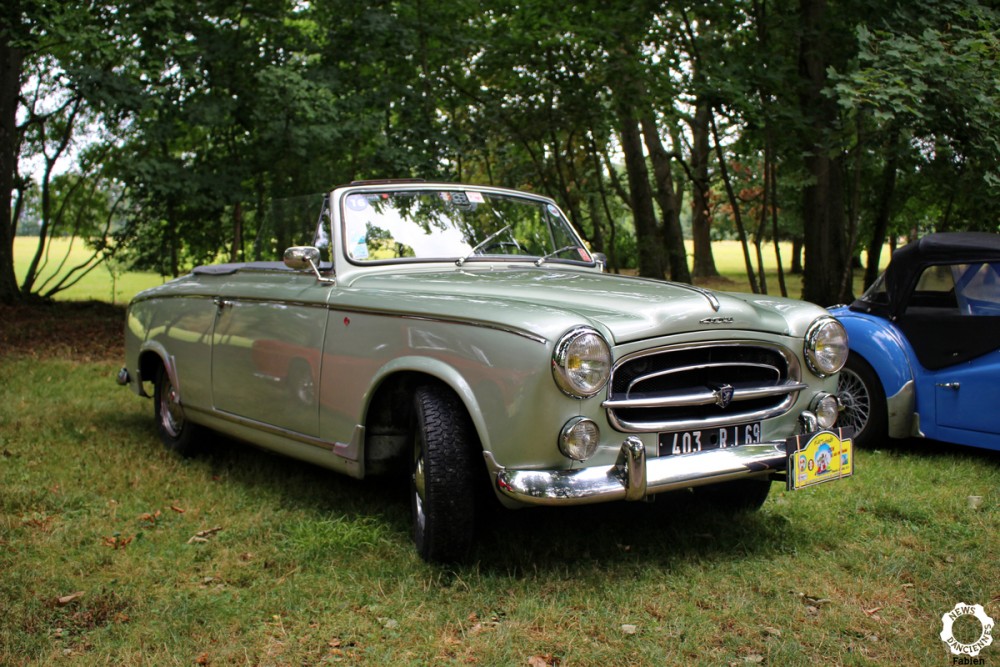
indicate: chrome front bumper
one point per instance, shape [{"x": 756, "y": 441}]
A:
[{"x": 633, "y": 476}]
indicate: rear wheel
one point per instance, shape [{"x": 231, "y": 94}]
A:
[
  {"x": 863, "y": 400},
  {"x": 176, "y": 432},
  {"x": 442, "y": 488}
]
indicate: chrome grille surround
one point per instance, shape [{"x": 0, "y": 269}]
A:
[{"x": 677, "y": 387}]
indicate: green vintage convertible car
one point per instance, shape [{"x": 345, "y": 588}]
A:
[{"x": 467, "y": 335}]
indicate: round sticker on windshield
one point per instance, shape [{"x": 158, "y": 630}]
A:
[
  {"x": 553, "y": 210},
  {"x": 357, "y": 202}
]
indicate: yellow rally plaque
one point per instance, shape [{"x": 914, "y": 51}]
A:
[{"x": 819, "y": 457}]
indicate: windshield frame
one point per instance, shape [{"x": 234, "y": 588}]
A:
[{"x": 471, "y": 255}]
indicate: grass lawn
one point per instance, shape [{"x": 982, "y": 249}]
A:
[
  {"x": 113, "y": 551},
  {"x": 100, "y": 285}
]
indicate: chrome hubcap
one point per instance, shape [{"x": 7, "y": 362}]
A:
[
  {"x": 171, "y": 412},
  {"x": 419, "y": 490},
  {"x": 854, "y": 397}
]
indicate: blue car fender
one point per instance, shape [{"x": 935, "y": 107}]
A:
[{"x": 880, "y": 344}]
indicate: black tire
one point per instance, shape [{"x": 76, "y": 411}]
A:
[
  {"x": 442, "y": 484},
  {"x": 863, "y": 400},
  {"x": 176, "y": 432},
  {"x": 743, "y": 495}
]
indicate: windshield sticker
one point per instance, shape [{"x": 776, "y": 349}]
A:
[
  {"x": 357, "y": 202},
  {"x": 475, "y": 197},
  {"x": 553, "y": 210},
  {"x": 360, "y": 249},
  {"x": 445, "y": 196}
]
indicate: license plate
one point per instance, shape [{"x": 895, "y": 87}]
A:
[{"x": 692, "y": 442}]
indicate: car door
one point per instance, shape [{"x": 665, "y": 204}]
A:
[
  {"x": 267, "y": 349},
  {"x": 966, "y": 396}
]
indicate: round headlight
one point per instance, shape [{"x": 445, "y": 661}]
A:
[
  {"x": 826, "y": 346},
  {"x": 579, "y": 439},
  {"x": 581, "y": 362}
]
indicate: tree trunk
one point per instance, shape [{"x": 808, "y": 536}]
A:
[
  {"x": 823, "y": 200},
  {"x": 647, "y": 232},
  {"x": 701, "y": 219},
  {"x": 884, "y": 212},
  {"x": 667, "y": 198},
  {"x": 11, "y": 63}
]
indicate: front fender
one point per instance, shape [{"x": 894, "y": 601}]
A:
[
  {"x": 882, "y": 345},
  {"x": 447, "y": 374}
]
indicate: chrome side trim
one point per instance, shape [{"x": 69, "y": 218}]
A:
[
  {"x": 372, "y": 311},
  {"x": 900, "y": 412},
  {"x": 634, "y": 476},
  {"x": 267, "y": 428}
]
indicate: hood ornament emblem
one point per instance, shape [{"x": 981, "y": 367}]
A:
[{"x": 722, "y": 393}]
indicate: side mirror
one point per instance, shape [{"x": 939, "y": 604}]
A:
[
  {"x": 305, "y": 258},
  {"x": 301, "y": 257}
]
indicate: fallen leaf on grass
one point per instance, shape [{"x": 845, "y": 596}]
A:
[
  {"x": 772, "y": 632},
  {"x": 66, "y": 599},
  {"x": 151, "y": 519},
  {"x": 117, "y": 541},
  {"x": 629, "y": 628},
  {"x": 873, "y": 612},
  {"x": 179, "y": 510},
  {"x": 547, "y": 660},
  {"x": 203, "y": 535},
  {"x": 202, "y": 659}
]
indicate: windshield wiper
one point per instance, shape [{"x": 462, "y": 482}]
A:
[
  {"x": 461, "y": 260},
  {"x": 541, "y": 260}
]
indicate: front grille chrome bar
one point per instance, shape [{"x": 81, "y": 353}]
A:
[{"x": 706, "y": 397}]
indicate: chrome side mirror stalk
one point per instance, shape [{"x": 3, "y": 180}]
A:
[{"x": 302, "y": 258}]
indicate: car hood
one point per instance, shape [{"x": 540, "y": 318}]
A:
[{"x": 627, "y": 308}]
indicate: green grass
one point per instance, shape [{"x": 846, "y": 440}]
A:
[
  {"x": 101, "y": 285},
  {"x": 310, "y": 568},
  {"x": 98, "y": 285}
]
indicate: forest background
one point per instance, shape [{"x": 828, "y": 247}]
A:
[{"x": 167, "y": 133}]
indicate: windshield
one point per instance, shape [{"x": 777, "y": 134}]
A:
[{"x": 460, "y": 225}]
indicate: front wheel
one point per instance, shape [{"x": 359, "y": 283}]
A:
[
  {"x": 863, "y": 400},
  {"x": 176, "y": 432},
  {"x": 442, "y": 489}
]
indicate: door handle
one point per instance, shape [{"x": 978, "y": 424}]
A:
[
  {"x": 222, "y": 303},
  {"x": 950, "y": 385}
]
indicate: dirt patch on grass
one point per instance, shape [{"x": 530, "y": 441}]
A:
[{"x": 78, "y": 330}]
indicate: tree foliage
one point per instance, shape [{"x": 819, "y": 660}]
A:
[{"x": 162, "y": 132}]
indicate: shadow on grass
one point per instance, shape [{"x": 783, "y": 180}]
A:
[
  {"x": 932, "y": 448},
  {"x": 673, "y": 529}
]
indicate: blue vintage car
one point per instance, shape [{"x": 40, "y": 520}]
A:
[{"x": 925, "y": 345}]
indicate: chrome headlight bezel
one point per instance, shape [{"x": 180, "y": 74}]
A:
[
  {"x": 826, "y": 346},
  {"x": 581, "y": 362}
]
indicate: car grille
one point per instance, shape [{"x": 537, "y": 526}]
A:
[{"x": 702, "y": 386}]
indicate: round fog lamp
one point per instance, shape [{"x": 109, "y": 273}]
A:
[
  {"x": 826, "y": 408},
  {"x": 579, "y": 439}
]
